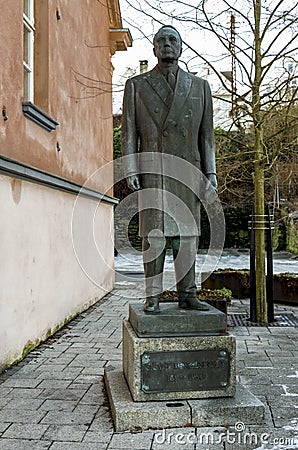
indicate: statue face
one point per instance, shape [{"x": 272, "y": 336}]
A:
[{"x": 167, "y": 45}]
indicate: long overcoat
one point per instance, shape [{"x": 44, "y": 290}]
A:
[{"x": 157, "y": 126}]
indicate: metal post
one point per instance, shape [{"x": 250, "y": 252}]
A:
[
  {"x": 252, "y": 273},
  {"x": 269, "y": 278}
]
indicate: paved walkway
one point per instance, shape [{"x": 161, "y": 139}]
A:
[{"x": 54, "y": 399}]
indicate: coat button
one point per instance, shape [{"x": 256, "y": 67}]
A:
[
  {"x": 156, "y": 110},
  {"x": 165, "y": 133}
]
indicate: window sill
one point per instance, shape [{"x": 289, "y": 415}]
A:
[{"x": 39, "y": 117}]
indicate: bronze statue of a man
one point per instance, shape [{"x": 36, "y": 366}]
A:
[{"x": 167, "y": 111}]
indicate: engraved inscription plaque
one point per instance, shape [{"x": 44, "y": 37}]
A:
[{"x": 194, "y": 370}]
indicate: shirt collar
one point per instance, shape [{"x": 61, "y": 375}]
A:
[{"x": 166, "y": 71}]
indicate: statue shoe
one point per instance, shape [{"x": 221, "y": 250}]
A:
[
  {"x": 152, "y": 305},
  {"x": 193, "y": 303}
]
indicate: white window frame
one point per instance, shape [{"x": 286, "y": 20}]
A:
[{"x": 28, "y": 24}]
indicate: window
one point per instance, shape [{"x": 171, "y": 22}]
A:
[
  {"x": 35, "y": 89},
  {"x": 28, "y": 49}
]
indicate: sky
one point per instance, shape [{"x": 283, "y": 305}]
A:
[
  {"x": 142, "y": 48},
  {"x": 205, "y": 43}
]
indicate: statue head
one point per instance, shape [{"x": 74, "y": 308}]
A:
[{"x": 167, "y": 44}]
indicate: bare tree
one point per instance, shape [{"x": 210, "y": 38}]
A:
[{"x": 258, "y": 38}]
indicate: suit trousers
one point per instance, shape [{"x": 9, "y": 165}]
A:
[{"x": 184, "y": 254}]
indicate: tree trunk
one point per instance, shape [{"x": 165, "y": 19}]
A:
[
  {"x": 259, "y": 177},
  {"x": 261, "y": 300}
]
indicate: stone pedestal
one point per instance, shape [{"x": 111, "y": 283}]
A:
[
  {"x": 173, "y": 368},
  {"x": 178, "y": 370},
  {"x": 173, "y": 322},
  {"x": 178, "y": 354}
]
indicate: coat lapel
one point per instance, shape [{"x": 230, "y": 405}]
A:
[
  {"x": 164, "y": 93},
  {"x": 172, "y": 102},
  {"x": 181, "y": 93},
  {"x": 159, "y": 84}
]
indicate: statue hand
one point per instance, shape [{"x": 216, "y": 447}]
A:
[
  {"x": 212, "y": 180},
  {"x": 133, "y": 182}
]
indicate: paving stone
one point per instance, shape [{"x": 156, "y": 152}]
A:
[
  {"x": 95, "y": 370},
  {"x": 75, "y": 446},
  {"x": 263, "y": 389},
  {"x": 84, "y": 379},
  {"x": 36, "y": 362},
  {"x": 25, "y": 431},
  {"x": 82, "y": 409},
  {"x": 256, "y": 362},
  {"x": 98, "y": 437},
  {"x": 21, "y": 383},
  {"x": 290, "y": 331},
  {"x": 62, "y": 394},
  {"x": 249, "y": 371},
  {"x": 275, "y": 351},
  {"x": 256, "y": 380},
  {"x": 268, "y": 369},
  {"x": 50, "y": 353},
  {"x": 102, "y": 423},
  {"x": 27, "y": 374},
  {"x": 58, "y": 405},
  {"x": 287, "y": 361},
  {"x": 21, "y": 416},
  {"x": 67, "y": 418},
  {"x": 24, "y": 403},
  {"x": 93, "y": 398},
  {"x": 179, "y": 446},
  {"x": 4, "y": 426},
  {"x": 63, "y": 359},
  {"x": 64, "y": 376},
  {"x": 4, "y": 401},
  {"x": 83, "y": 345},
  {"x": 52, "y": 383},
  {"x": 279, "y": 401},
  {"x": 65, "y": 433},
  {"x": 240, "y": 364},
  {"x": 52, "y": 368},
  {"x": 139, "y": 441},
  {"x": 243, "y": 337},
  {"x": 4, "y": 391},
  {"x": 290, "y": 390},
  {"x": 22, "y": 444},
  {"x": 24, "y": 393}
]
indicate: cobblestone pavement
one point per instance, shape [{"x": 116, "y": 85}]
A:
[{"x": 54, "y": 398}]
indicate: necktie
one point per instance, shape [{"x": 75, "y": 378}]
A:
[{"x": 171, "y": 80}]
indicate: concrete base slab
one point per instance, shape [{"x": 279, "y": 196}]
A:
[
  {"x": 130, "y": 415},
  {"x": 244, "y": 407}
]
